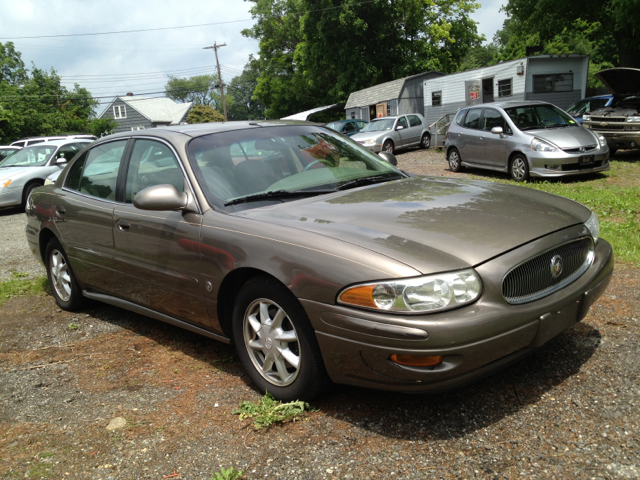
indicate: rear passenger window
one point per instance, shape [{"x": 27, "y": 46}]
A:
[
  {"x": 101, "y": 170},
  {"x": 414, "y": 121},
  {"x": 472, "y": 119},
  {"x": 460, "y": 116},
  {"x": 152, "y": 163}
]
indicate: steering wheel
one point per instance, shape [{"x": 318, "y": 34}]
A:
[{"x": 311, "y": 165}]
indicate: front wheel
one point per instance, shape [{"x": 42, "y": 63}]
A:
[
  {"x": 276, "y": 343},
  {"x": 455, "y": 164},
  {"x": 426, "y": 141},
  {"x": 388, "y": 146},
  {"x": 27, "y": 191},
  {"x": 63, "y": 284},
  {"x": 519, "y": 168}
]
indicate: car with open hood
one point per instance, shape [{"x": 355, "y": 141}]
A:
[
  {"x": 526, "y": 139},
  {"x": 28, "y": 168},
  {"x": 619, "y": 122},
  {"x": 318, "y": 259}
]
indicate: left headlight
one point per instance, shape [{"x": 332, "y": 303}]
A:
[
  {"x": 593, "y": 224},
  {"x": 633, "y": 119},
  {"x": 370, "y": 141},
  {"x": 429, "y": 293}
]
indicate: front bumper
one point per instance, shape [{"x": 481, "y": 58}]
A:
[
  {"x": 10, "y": 196},
  {"x": 375, "y": 148},
  {"x": 474, "y": 340},
  {"x": 567, "y": 164}
]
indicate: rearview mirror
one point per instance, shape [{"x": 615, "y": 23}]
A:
[
  {"x": 389, "y": 158},
  {"x": 160, "y": 198}
]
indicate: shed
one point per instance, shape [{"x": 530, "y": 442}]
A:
[
  {"x": 397, "y": 97},
  {"x": 139, "y": 113},
  {"x": 557, "y": 79}
]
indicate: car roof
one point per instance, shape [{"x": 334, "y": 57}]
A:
[
  {"x": 12, "y": 147},
  {"x": 59, "y": 143}
]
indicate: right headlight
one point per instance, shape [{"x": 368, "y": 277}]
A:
[
  {"x": 424, "y": 294},
  {"x": 593, "y": 224},
  {"x": 370, "y": 141},
  {"x": 586, "y": 117},
  {"x": 602, "y": 140}
]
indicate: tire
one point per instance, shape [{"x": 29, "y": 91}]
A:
[
  {"x": 289, "y": 350},
  {"x": 387, "y": 146},
  {"x": 425, "y": 142},
  {"x": 519, "y": 168},
  {"x": 63, "y": 283},
  {"x": 30, "y": 187},
  {"x": 455, "y": 162}
]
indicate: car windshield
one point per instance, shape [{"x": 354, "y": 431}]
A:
[
  {"x": 379, "y": 125},
  {"x": 35, "y": 156},
  {"x": 530, "y": 117},
  {"x": 587, "y": 105},
  {"x": 243, "y": 163}
]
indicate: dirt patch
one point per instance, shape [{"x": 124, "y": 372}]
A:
[{"x": 570, "y": 410}]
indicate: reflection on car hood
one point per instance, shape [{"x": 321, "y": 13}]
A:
[
  {"x": 566, "y": 137},
  {"x": 431, "y": 224},
  {"x": 362, "y": 136},
  {"x": 621, "y": 81}
]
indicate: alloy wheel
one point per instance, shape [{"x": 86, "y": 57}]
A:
[
  {"x": 454, "y": 160},
  {"x": 519, "y": 169},
  {"x": 426, "y": 141},
  {"x": 60, "y": 275},
  {"x": 272, "y": 342}
]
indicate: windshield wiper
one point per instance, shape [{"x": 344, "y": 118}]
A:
[
  {"x": 358, "y": 182},
  {"x": 275, "y": 195}
]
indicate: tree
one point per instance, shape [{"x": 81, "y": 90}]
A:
[
  {"x": 609, "y": 26},
  {"x": 315, "y": 52},
  {"x": 204, "y": 114},
  {"x": 201, "y": 90},
  {"x": 12, "y": 68},
  {"x": 241, "y": 88}
]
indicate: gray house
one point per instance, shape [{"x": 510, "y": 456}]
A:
[
  {"x": 397, "y": 97},
  {"x": 139, "y": 113},
  {"x": 557, "y": 79}
]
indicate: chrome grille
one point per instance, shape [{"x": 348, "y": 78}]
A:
[
  {"x": 587, "y": 148},
  {"x": 608, "y": 119},
  {"x": 532, "y": 279}
]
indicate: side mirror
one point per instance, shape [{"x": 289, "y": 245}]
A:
[
  {"x": 389, "y": 158},
  {"x": 61, "y": 161},
  {"x": 497, "y": 131},
  {"x": 160, "y": 198},
  {"x": 399, "y": 127}
]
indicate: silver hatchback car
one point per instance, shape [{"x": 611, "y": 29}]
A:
[
  {"x": 526, "y": 139},
  {"x": 388, "y": 134}
]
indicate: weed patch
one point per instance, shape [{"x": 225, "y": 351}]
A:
[
  {"x": 268, "y": 411},
  {"x": 227, "y": 474},
  {"x": 18, "y": 286}
]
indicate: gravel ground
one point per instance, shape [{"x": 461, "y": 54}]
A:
[
  {"x": 14, "y": 250},
  {"x": 571, "y": 410}
]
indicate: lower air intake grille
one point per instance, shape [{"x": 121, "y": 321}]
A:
[{"x": 548, "y": 271}]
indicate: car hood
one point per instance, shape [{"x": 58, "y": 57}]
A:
[
  {"x": 566, "y": 137},
  {"x": 621, "y": 81},
  {"x": 362, "y": 136},
  {"x": 13, "y": 172},
  {"x": 431, "y": 224}
]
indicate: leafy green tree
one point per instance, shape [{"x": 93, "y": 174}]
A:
[
  {"x": 241, "y": 88},
  {"x": 204, "y": 114},
  {"x": 12, "y": 68},
  {"x": 315, "y": 52},
  {"x": 200, "y": 89},
  {"x": 610, "y": 26}
]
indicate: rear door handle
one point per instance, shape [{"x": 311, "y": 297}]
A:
[{"x": 123, "y": 225}]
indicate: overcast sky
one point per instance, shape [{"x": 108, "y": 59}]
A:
[{"x": 109, "y": 65}]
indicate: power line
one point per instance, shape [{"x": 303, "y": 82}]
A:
[
  {"x": 171, "y": 28},
  {"x": 138, "y": 73}
]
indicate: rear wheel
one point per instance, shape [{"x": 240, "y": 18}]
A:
[
  {"x": 388, "y": 146},
  {"x": 63, "y": 284},
  {"x": 426, "y": 141},
  {"x": 519, "y": 168},
  {"x": 455, "y": 163},
  {"x": 276, "y": 343}
]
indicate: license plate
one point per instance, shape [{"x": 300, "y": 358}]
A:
[{"x": 586, "y": 159}]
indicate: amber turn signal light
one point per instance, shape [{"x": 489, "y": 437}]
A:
[
  {"x": 361, "y": 296},
  {"x": 416, "y": 360}
]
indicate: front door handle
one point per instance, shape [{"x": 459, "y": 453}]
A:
[{"x": 123, "y": 225}]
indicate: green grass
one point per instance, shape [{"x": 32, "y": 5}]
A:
[
  {"x": 269, "y": 411},
  {"x": 18, "y": 286},
  {"x": 614, "y": 196}
]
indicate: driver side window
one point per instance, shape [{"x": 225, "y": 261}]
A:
[{"x": 402, "y": 122}]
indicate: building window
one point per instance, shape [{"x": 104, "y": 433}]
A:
[
  {"x": 137, "y": 128},
  {"x": 388, "y": 109},
  {"x": 353, "y": 114},
  {"x": 505, "y": 88},
  {"x": 119, "y": 111},
  {"x": 559, "y": 82},
  {"x": 436, "y": 98}
]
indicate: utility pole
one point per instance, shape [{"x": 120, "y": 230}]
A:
[{"x": 215, "y": 48}]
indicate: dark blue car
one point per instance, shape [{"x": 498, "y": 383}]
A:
[{"x": 587, "y": 104}]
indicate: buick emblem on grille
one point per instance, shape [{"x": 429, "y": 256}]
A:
[{"x": 556, "y": 266}]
